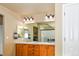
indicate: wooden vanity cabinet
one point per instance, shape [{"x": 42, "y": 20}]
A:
[
  {"x": 47, "y": 50},
  {"x": 18, "y": 49},
  {"x": 24, "y": 50},
  {"x": 35, "y": 50},
  {"x": 43, "y": 50},
  {"x": 51, "y": 50},
  {"x": 21, "y": 49},
  {"x": 30, "y": 50}
]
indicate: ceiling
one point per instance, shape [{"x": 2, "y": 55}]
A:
[{"x": 29, "y": 8}]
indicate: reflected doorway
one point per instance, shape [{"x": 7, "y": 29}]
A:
[{"x": 1, "y": 35}]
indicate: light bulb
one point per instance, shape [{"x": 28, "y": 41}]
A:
[
  {"x": 31, "y": 19},
  {"x": 50, "y": 17},
  {"x": 46, "y": 17},
  {"x": 24, "y": 20},
  {"x": 27, "y": 19}
]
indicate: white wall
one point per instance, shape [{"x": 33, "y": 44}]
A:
[{"x": 58, "y": 29}]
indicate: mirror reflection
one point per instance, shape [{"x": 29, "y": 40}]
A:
[{"x": 40, "y": 32}]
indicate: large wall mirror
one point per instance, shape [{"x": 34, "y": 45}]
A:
[{"x": 44, "y": 31}]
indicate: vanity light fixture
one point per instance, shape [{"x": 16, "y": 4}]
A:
[
  {"x": 31, "y": 18},
  {"x": 49, "y": 16},
  {"x": 26, "y": 19},
  {"x": 46, "y": 17}
]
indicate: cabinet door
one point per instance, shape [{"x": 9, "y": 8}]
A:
[
  {"x": 25, "y": 50},
  {"x": 30, "y": 50},
  {"x": 36, "y": 50},
  {"x": 18, "y": 49},
  {"x": 43, "y": 50},
  {"x": 51, "y": 50}
]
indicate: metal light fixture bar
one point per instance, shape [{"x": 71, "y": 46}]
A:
[
  {"x": 49, "y": 16},
  {"x": 28, "y": 18}
]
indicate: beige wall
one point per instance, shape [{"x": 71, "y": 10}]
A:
[
  {"x": 58, "y": 31},
  {"x": 9, "y": 18}
]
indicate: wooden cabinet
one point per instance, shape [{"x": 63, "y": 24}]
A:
[
  {"x": 30, "y": 50},
  {"x": 43, "y": 50},
  {"x": 18, "y": 49},
  {"x": 24, "y": 50},
  {"x": 47, "y": 50},
  {"x": 21, "y": 49},
  {"x": 51, "y": 50},
  {"x": 35, "y": 50}
]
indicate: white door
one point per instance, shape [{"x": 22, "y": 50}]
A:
[{"x": 71, "y": 30}]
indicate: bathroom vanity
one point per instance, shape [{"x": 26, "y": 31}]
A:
[
  {"x": 35, "y": 49},
  {"x": 36, "y": 39}
]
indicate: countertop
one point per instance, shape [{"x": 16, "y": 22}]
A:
[{"x": 48, "y": 43}]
